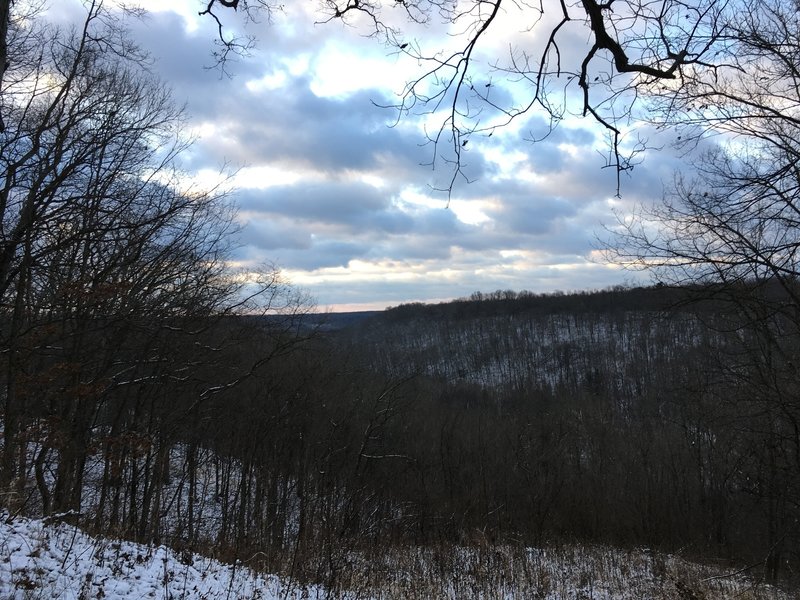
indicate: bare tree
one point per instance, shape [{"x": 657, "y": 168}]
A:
[
  {"x": 5, "y": 14},
  {"x": 736, "y": 220},
  {"x": 113, "y": 270},
  {"x": 602, "y": 60},
  {"x": 589, "y": 58},
  {"x": 733, "y": 232}
]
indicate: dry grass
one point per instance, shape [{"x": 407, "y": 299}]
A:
[{"x": 573, "y": 572}]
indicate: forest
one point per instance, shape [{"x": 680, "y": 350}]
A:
[{"x": 638, "y": 417}]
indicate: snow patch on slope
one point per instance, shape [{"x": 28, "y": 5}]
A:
[{"x": 39, "y": 560}]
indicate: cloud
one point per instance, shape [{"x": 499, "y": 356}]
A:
[
  {"x": 295, "y": 128},
  {"x": 274, "y": 234},
  {"x": 328, "y": 201},
  {"x": 337, "y": 191},
  {"x": 327, "y": 223}
]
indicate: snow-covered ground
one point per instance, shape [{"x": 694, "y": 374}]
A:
[
  {"x": 39, "y": 560},
  {"x": 57, "y": 561}
]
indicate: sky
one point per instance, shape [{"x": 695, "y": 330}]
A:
[{"x": 337, "y": 190}]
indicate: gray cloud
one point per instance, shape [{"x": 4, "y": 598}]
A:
[
  {"x": 323, "y": 134},
  {"x": 332, "y": 201},
  {"x": 333, "y": 214},
  {"x": 327, "y": 224},
  {"x": 274, "y": 234}
]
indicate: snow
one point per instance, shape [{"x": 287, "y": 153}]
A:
[
  {"x": 44, "y": 560},
  {"x": 41, "y": 560}
]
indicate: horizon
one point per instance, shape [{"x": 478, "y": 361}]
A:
[{"x": 372, "y": 307}]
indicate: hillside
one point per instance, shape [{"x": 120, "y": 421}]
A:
[
  {"x": 44, "y": 560},
  {"x": 423, "y": 446},
  {"x": 518, "y": 341}
]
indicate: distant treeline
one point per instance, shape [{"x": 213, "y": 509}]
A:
[
  {"x": 618, "y": 298},
  {"x": 478, "y": 304}
]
